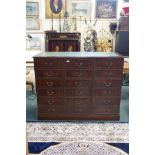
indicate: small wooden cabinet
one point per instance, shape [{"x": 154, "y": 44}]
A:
[
  {"x": 78, "y": 85},
  {"x": 65, "y": 42}
]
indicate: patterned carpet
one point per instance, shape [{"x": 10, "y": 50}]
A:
[{"x": 68, "y": 138}]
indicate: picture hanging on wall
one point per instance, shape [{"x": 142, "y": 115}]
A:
[
  {"x": 80, "y": 8},
  {"x": 106, "y": 8},
  {"x": 33, "y": 42},
  {"x": 32, "y": 9},
  {"x": 55, "y": 7},
  {"x": 32, "y": 24}
]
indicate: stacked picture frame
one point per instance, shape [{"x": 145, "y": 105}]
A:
[
  {"x": 32, "y": 16},
  {"x": 33, "y": 38}
]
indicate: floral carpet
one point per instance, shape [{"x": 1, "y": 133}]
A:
[{"x": 78, "y": 138}]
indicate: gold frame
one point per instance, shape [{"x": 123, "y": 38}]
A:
[{"x": 48, "y": 12}]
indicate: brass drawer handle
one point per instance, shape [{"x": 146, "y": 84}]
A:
[
  {"x": 109, "y": 64},
  {"x": 78, "y": 84},
  {"x": 49, "y": 84},
  {"x": 49, "y": 63},
  {"x": 108, "y": 84},
  {"x": 50, "y": 93},
  {"x": 49, "y": 73},
  {"x": 79, "y": 64},
  {"x": 108, "y": 73},
  {"x": 107, "y": 102},
  {"x": 78, "y": 74},
  {"x": 51, "y": 102},
  {"x": 51, "y": 110},
  {"x": 77, "y": 102}
]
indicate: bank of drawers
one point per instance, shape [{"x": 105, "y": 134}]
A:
[{"x": 78, "y": 87}]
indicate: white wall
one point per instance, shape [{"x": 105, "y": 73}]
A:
[{"x": 45, "y": 24}]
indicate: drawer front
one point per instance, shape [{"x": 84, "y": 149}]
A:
[
  {"x": 47, "y": 62},
  {"x": 79, "y": 74},
  {"x": 108, "y": 92},
  {"x": 50, "y": 109},
  {"x": 50, "y": 101},
  {"x": 106, "y": 110},
  {"x": 82, "y": 110},
  {"x": 108, "y": 83},
  {"x": 50, "y": 92},
  {"x": 109, "y": 63},
  {"x": 49, "y": 83},
  {"x": 107, "y": 101},
  {"x": 108, "y": 74},
  {"x": 78, "y": 92},
  {"x": 76, "y": 109},
  {"x": 78, "y": 63},
  {"x": 78, "y": 83},
  {"x": 78, "y": 101},
  {"x": 49, "y": 73}
]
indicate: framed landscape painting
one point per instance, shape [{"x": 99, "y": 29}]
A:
[
  {"x": 32, "y": 9},
  {"x": 32, "y": 24},
  {"x": 80, "y": 8},
  {"x": 106, "y": 9}
]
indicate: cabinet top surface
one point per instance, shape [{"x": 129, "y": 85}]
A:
[{"x": 77, "y": 54}]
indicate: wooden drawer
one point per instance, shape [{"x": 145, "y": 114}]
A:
[
  {"x": 106, "y": 110},
  {"x": 77, "y": 109},
  {"x": 78, "y": 83},
  {"x": 48, "y": 62},
  {"x": 108, "y": 92},
  {"x": 79, "y": 74},
  {"x": 46, "y": 83},
  {"x": 48, "y": 73},
  {"x": 108, "y": 83},
  {"x": 78, "y": 92},
  {"x": 77, "y": 63},
  {"x": 50, "y": 92},
  {"x": 109, "y": 101},
  {"x": 50, "y": 109},
  {"x": 100, "y": 74},
  {"x": 50, "y": 101},
  {"x": 78, "y": 101},
  {"x": 109, "y": 63},
  {"x": 82, "y": 110}
]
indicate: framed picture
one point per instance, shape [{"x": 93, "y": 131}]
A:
[
  {"x": 32, "y": 24},
  {"x": 80, "y": 8},
  {"x": 32, "y": 9},
  {"x": 33, "y": 41},
  {"x": 55, "y": 7},
  {"x": 106, "y": 8}
]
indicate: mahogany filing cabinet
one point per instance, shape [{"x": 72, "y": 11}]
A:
[{"x": 78, "y": 85}]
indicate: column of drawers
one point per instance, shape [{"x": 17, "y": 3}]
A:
[
  {"x": 107, "y": 86},
  {"x": 49, "y": 75},
  {"x": 78, "y": 85}
]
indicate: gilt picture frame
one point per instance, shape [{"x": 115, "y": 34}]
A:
[
  {"x": 49, "y": 13},
  {"x": 32, "y": 8},
  {"x": 106, "y": 9}
]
